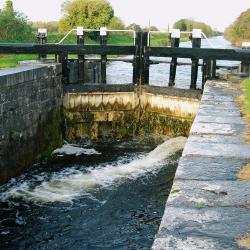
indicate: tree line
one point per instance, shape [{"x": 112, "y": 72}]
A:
[
  {"x": 91, "y": 14},
  {"x": 239, "y": 31},
  {"x": 189, "y": 24}
]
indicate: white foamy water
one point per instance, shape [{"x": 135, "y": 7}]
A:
[
  {"x": 70, "y": 184},
  {"x": 70, "y": 149}
]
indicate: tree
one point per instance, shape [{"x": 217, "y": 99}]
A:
[
  {"x": 135, "y": 27},
  {"x": 116, "y": 24},
  {"x": 239, "y": 31},
  {"x": 181, "y": 25},
  {"x": 188, "y": 25},
  {"x": 91, "y": 14},
  {"x": 152, "y": 28},
  {"x": 51, "y": 26},
  {"x": 14, "y": 25}
]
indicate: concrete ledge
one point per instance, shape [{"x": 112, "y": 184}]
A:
[
  {"x": 90, "y": 88},
  {"x": 13, "y": 76},
  {"x": 208, "y": 207}
]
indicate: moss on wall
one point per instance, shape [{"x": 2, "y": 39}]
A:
[
  {"x": 51, "y": 137},
  {"x": 122, "y": 125}
]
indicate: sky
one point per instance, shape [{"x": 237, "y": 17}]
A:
[{"x": 161, "y": 13}]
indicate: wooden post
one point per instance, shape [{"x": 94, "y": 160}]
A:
[
  {"x": 141, "y": 60},
  {"x": 245, "y": 67},
  {"x": 136, "y": 63},
  {"x": 213, "y": 69},
  {"x": 103, "y": 41},
  {"x": 175, "y": 42},
  {"x": 81, "y": 58},
  {"x": 196, "y": 43},
  {"x": 145, "y": 59},
  {"x": 63, "y": 59},
  {"x": 42, "y": 39},
  {"x": 204, "y": 72}
]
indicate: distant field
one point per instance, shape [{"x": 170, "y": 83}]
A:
[{"x": 157, "y": 39}]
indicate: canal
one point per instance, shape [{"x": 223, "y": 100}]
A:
[{"x": 95, "y": 196}]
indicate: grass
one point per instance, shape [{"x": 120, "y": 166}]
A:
[
  {"x": 244, "y": 101},
  {"x": 246, "y": 92},
  {"x": 7, "y": 61},
  {"x": 157, "y": 39}
]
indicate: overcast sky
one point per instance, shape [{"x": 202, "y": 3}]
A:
[{"x": 161, "y": 13}]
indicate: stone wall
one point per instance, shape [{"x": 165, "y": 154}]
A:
[
  {"x": 102, "y": 112},
  {"x": 30, "y": 118}
]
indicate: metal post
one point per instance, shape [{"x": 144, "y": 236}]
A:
[
  {"x": 42, "y": 39},
  {"x": 81, "y": 59},
  {"x": 175, "y": 42},
  {"x": 103, "y": 41},
  {"x": 196, "y": 43}
]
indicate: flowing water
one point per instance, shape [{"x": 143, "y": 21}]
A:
[
  {"x": 107, "y": 197},
  {"x": 95, "y": 197}
]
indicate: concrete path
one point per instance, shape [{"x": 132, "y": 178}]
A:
[{"x": 209, "y": 207}]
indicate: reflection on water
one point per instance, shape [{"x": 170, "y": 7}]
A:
[{"x": 120, "y": 72}]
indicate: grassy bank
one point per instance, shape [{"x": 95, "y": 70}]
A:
[
  {"x": 246, "y": 92},
  {"x": 244, "y": 101}
]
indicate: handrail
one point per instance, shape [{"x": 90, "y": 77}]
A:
[{"x": 134, "y": 33}]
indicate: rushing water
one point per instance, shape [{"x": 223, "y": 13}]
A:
[
  {"x": 103, "y": 197},
  {"x": 109, "y": 197},
  {"x": 159, "y": 73}
]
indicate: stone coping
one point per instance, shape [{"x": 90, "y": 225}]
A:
[{"x": 208, "y": 206}]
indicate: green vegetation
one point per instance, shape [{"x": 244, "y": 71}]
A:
[
  {"x": 7, "y": 61},
  {"x": 52, "y": 26},
  {"x": 239, "y": 31},
  {"x": 14, "y": 25},
  {"x": 188, "y": 25},
  {"x": 52, "y": 136},
  {"x": 246, "y": 91},
  {"x": 116, "y": 24},
  {"x": 91, "y": 14},
  {"x": 175, "y": 190},
  {"x": 199, "y": 204}
]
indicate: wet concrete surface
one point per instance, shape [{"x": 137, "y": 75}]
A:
[{"x": 209, "y": 207}]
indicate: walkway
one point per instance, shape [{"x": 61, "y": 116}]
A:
[{"x": 209, "y": 207}]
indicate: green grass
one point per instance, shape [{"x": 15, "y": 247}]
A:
[
  {"x": 246, "y": 91},
  {"x": 7, "y": 61}
]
